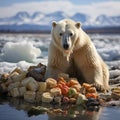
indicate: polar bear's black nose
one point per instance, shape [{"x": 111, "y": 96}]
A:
[{"x": 65, "y": 46}]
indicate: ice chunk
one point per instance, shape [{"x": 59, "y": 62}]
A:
[{"x": 14, "y": 52}]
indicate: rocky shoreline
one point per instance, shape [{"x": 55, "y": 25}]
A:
[{"x": 10, "y": 84}]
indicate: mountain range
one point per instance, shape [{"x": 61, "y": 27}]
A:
[{"x": 24, "y": 22}]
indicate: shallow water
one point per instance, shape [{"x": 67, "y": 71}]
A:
[
  {"x": 17, "y": 109},
  {"x": 110, "y": 113}
]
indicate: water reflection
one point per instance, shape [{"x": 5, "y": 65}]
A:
[
  {"x": 84, "y": 115},
  {"x": 22, "y": 107}
]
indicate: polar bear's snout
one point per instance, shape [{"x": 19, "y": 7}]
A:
[
  {"x": 66, "y": 42},
  {"x": 66, "y": 46}
]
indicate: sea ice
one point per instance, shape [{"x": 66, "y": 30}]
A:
[{"x": 15, "y": 52}]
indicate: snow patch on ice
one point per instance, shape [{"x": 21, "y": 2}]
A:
[{"x": 6, "y": 67}]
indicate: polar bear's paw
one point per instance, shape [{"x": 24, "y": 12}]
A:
[{"x": 100, "y": 87}]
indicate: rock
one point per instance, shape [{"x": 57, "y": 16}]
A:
[
  {"x": 114, "y": 64},
  {"x": 22, "y": 90},
  {"x": 22, "y": 75},
  {"x": 30, "y": 84},
  {"x": 65, "y": 100},
  {"x": 114, "y": 73},
  {"x": 77, "y": 87},
  {"x": 72, "y": 100},
  {"x": 72, "y": 92},
  {"x": 30, "y": 96},
  {"x": 14, "y": 92},
  {"x": 115, "y": 96},
  {"x": 14, "y": 85},
  {"x": 51, "y": 83},
  {"x": 8, "y": 82},
  {"x": 105, "y": 97},
  {"x": 82, "y": 90},
  {"x": 92, "y": 102},
  {"x": 116, "y": 89},
  {"x": 113, "y": 103},
  {"x": 92, "y": 95},
  {"x": 39, "y": 96},
  {"x": 56, "y": 91},
  {"x": 92, "y": 90},
  {"x": 86, "y": 86},
  {"x": 18, "y": 70},
  {"x": 115, "y": 80},
  {"x": 4, "y": 77},
  {"x": 25, "y": 81},
  {"x": 42, "y": 86},
  {"x": 14, "y": 77},
  {"x": 37, "y": 110},
  {"x": 115, "y": 93},
  {"x": 3, "y": 88},
  {"x": 81, "y": 99},
  {"x": 57, "y": 99},
  {"x": 58, "y": 111},
  {"x": 33, "y": 67},
  {"x": 37, "y": 72},
  {"x": 73, "y": 82},
  {"x": 114, "y": 67},
  {"x": 36, "y": 75},
  {"x": 47, "y": 97}
]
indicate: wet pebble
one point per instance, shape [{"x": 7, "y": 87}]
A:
[
  {"x": 92, "y": 102},
  {"x": 113, "y": 103},
  {"x": 114, "y": 73}
]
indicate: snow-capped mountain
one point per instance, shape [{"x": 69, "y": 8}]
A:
[
  {"x": 56, "y": 16},
  {"x": 80, "y": 17},
  {"x": 19, "y": 18},
  {"x": 107, "y": 21},
  {"x": 23, "y": 21}
]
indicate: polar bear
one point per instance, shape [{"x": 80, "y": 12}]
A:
[{"x": 71, "y": 51}]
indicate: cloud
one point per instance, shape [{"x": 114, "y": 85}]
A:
[{"x": 110, "y": 8}]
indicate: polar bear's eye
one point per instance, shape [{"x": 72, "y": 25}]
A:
[
  {"x": 71, "y": 34},
  {"x": 61, "y": 34}
]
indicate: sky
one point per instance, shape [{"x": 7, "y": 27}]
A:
[{"x": 90, "y": 7}]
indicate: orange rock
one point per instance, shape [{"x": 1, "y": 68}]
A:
[
  {"x": 86, "y": 86},
  {"x": 92, "y": 90},
  {"x": 61, "y": 81},
  {"x": 64, "y": 88},
  {"x": 91, "y": 95},
  {"x": 72, "y": 83}
]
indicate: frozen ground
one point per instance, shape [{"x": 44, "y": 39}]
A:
[{"x": 23, "y": 50}]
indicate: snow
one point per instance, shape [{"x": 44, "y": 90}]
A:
[
  {"x": 23, "y": 50},
  {"x": 108, "y": 49}
]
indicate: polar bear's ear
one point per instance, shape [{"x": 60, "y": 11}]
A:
[
  {"x": 54, "y": 23},
  {"x": 78, "y": 24}
]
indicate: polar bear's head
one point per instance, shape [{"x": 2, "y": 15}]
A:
[{"x": 65, "y": 34}]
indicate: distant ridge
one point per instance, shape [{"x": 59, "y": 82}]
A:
[{"x": 39, "y": 22}]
